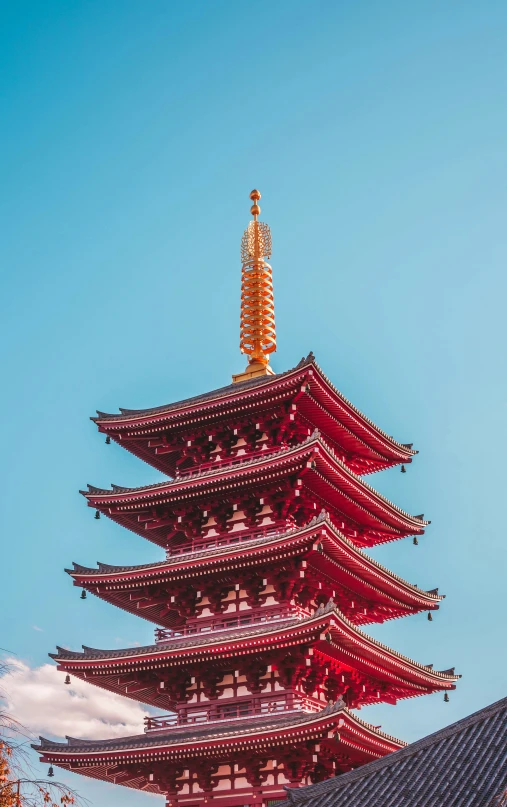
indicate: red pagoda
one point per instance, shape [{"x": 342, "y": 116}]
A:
[{"x": 260, "y": 655}]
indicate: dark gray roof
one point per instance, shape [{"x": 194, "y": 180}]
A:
[
  {"x": 462, "y": 765},
  {"x": 174, "y": 736},
  {"x": 242, "y": 386},
  {"x": 275, "y": 626},
  {"x": 179, "y": 643},
  {"x": 323, "y": 517},
  {"x": 216, "y": 393}
]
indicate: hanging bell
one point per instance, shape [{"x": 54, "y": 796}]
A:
[
  {"x": 430, "y": 617},
  {"x": 97, "y": 514},
  {"x": 108, "y": 440},
  {"x": 403, "y": 469},
  {"x": 415, "y": 541},
  {"x": 51, "y": 771},
  {"x": 67, "y": 679},
  {"x": 83, "y": 595},
  {"x": 446, "y": 698}
]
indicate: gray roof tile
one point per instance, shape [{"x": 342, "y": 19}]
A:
[
  {"x": 462, "y": 765},
  {"x": 174, "y": 736},
  {"x": 216, "y": 393}
]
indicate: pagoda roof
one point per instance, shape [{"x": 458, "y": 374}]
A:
[
  {"x": 211, "y": 730},
  {"x": 340, "y": 558},
  {"x": 324, "y": 404},
  {"x": 345, "y": 642},
  {"x": 330, "y": 477},
  {"x": 462, "y": 765},
  {"x": 102, "y": 759}
]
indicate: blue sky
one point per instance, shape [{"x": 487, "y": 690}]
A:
[{"x": 130, "y": 136}]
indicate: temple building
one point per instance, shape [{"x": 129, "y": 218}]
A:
[{"x": 261, "y": 603}]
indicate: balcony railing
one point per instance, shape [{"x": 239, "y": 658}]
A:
[
  {"x": 227, "y": 623},
  {"x": 224, "y": 462},
  {"x": 232, "y": 711},
  {"x": 230, "y": 539}
]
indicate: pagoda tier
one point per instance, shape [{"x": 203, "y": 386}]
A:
[
  {"x": 279, "y": 490},
  {"x": 231, "y": 762},
  {"x": 309, "y": 565},
  {"x": 245, "y": 418},
  {"x": 278, "y": 665}
]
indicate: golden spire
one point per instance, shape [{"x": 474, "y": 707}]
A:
[{"x": 257, "y": 324}]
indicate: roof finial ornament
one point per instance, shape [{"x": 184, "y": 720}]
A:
[{"x": 257, "y": 324}]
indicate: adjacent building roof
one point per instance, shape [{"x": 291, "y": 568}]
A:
[{"x": 462, "y": 765}]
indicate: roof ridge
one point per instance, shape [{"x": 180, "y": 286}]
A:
[
  {"x": 297, "y": 796},
  {"x": 239, "y": 632},
  {"x": 235, "y": 387},
  {"x": 331, "y": 606},
  {"x": 252, "y": 384},
  {"x": 407, "y": 446},
  {"x": 271, "y": 723}
]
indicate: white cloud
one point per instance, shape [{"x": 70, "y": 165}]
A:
[
  {"x": 39, "y": 699},
  {"x": 36, "y": 627}
]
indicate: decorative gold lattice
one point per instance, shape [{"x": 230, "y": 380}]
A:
[{"x": 256, "y": 242}]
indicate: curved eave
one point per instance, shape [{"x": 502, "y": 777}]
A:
[
  {"x": 367, "y": 497},
  {"x": 341, "y": 556},
  {"x": 92, "y": 758},
  {"x": 328, "y": 472},
  {"x": 326, "y": 395},
  {"x": 359, "y": 649},
  {"x": 358, "y": 423},
  {"x": 362, "y": 647}
]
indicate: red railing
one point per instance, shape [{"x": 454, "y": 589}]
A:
[
  {"x": 226, "y": 462},
  {"x": 199, "y": 545},
  {"x": 232, "y": 711},
  {"x": 164, "y": 634}
]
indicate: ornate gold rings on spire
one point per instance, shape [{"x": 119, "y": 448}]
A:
[{"x": 257, "y": 323}]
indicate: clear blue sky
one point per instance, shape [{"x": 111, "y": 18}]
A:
[{"x": 130, "y": 136}]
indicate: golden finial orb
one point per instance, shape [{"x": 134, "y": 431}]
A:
[{"x": 255, "y": 209}]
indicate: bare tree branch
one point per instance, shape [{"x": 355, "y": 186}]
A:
[{"x": 19, "y": 784}]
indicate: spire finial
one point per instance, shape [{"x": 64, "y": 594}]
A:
[
  {"x": 257, "y": 325},
  {"x": 255, "y": 209}
]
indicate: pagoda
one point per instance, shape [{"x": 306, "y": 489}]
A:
[{"x": 260, "y": 659}]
